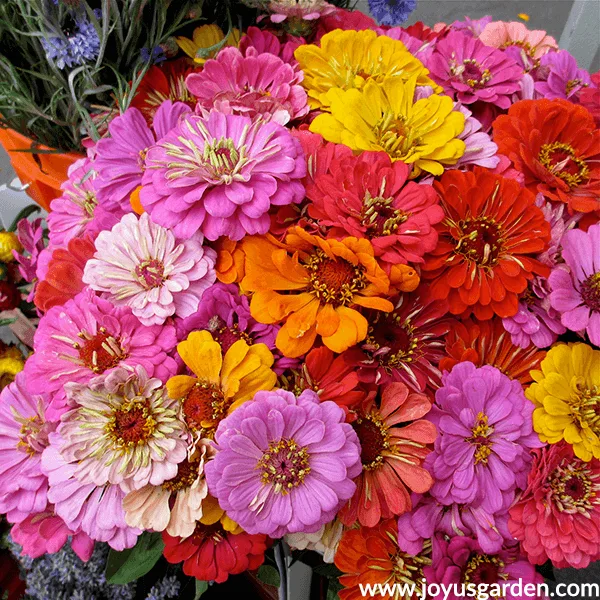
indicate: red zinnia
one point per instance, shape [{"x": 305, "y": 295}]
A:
[
  {"x": 65, "y": 271},
  {"x": 556, "y": 145},
  {"x": 212, "y": 554},
  {"x": 10, "y": 296},
  {"x": 488, "y": 240},
  {"x": 488, "y": 343}
]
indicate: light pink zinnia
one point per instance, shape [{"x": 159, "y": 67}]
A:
[
  {"x": 534, "y": 43},
  {"x": 576, "y": 286},
  {"x": 140, "y": 264},
  {"x": 220, "y": 175},
  {"x": 23, "y": 437},
  {"x": 259, "y": 85},
  {"x": 305, "y": 10}
]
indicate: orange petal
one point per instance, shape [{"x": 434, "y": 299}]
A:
[
  {"x": 376, "y": 303},
  {"x": 304, "y": 319},
  {"x": 295, "y": 347},
  {"x": 328, "y": 321},
  {"x": 352, "y": 329}
]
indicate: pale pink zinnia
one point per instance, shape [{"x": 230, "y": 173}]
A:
[
  {"x": 220, "y": 175},
  {"x": 304, "y": 10},
  {"x": 140, "y": 264},
  {"x": 533, "y": 42},
  {"x": 254, "y": 85},
  {"x": 23, "y": 437}
]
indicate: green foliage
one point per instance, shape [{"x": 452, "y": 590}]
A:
[
  {"x": 129, "y": 565},
  {"x": 201, "y": 587},
  {"x": 269, "y": 575}
]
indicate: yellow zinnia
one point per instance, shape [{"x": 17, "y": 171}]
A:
[
  {"x": 386, "y": 117},
  {"x": 221, "y": 383},
  {"x": 205, "y": 37},
  {"x": 348, "y": 59},
  {"x": 566, "y": 393}
]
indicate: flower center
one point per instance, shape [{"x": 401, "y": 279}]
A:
[
  {"x": 409, "y": 569},
  {"x": 585, "y": 405},
  {"x": 574, "y": 83},
  {"x": 34, "y": 432},
  {"x": 480, "y": 240},
  {"x": 150, "y": 273},
  {"x": 142, "y": 158},
  {"x": 100, "y": 352},
  {"x": 132, "y": 424},
  {"x": 209, "y": 533},
  {"x": 525, "y": 46},
  {"x": 226, "y": 336},
  {"x": 562, "y": 162},
  {"x": 480, "y": 438},
  {"x": 391, "y": 340},
  {"x": 380, "y": 217},
  {"x": 394, "y": 135},
  {"x": 590, "y": 291},
  {"x": 483, "y": 568},
  {"x": 574, "y": 487},
  {"x": 187, "y": 473},
  {"x": 203, "y": 408},
  {"x": 334, "y": 281},
  {"x": 471, "y": 73},
  {"x": 284, "y": 465},
  {"x": 374, "y": 439}
]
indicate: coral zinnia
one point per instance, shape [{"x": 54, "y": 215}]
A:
[
  {"x": 220, "y": 175},
  {"x": 392, "y": 452},
  {"x": 535, "y": 43},
  {"x": 422, "y": 133},
  {"x": 558, "y": 515},
  {"x": 556, "y": 145},
  {"x": 140, "y": 264},
  {"x": 222, "y": 380},
  {"x": 348, "y": 59},
  {"x": 368, "y": 196},
  {"x": 566, "y": 394},
  {"x": 372, "y": 555},
  {"x": 485, "y": 254},
  {"x": 284, "y": 464},
  {"x": 326, "y": 279}
]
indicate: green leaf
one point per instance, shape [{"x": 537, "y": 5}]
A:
[
  {"x": 269, "y": 575},
  {"x": 129, "y": 565},
  {"x": 327, "y": 570},
  {"x": 201, "y": 587}
]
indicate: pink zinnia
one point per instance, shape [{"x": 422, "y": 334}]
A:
[
  {"x": 561, "y": 78},
  {"x": 479, "y": 148},
  {"x": 576, "y": 285},
  {"x": 470, "y": 71},
  {"x": 220, "y": 175},
  {"x": 534, "y": 43},
  {"x": 88, "y": 336},
  {"x": 298, "y": 10},
  {"x": 258, "y": 41},
  {"x": 284, "y": 464},
  {"x": 558, "y": 515},
  {"x": 258, "y": 85},
  {"x": 140, "y": 264},
  {"x": 31, "y": 236},
  {"x": 23, "y": 437},
  {"x": 120, "y": 158}
]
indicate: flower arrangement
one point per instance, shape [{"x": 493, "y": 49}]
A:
[{"x": 337, "y": 291}]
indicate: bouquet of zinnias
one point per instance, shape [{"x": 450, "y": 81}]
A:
[{"x": 342, "y": 291}]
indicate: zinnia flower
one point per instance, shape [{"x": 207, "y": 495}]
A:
[
  {"x": 329, "y": 278},
  {"x": 120, "y": 158},
  {"x": 385, "y": 117},
  {"x": 557, "y": 517},
  {"x": 203, "y": 39},
  {"x": 284, "y": 464},
  {"x": 257, "y": 85},
  {"x": 347, "y": 60},
  {"x": 231, "y": 260},
  {"x": 140, "y": 264},
  {"x": 489, "y": 343},
  {"x": 393, "y": 440},
  {"x": 534, "y": 43},
  {"x": 565, "y": 395},
  {"x": 12, "y": 363},
  {"x": 576, "y": 289},
  {"x": 590, "y": 98},
  {"x": 483, "y": 259},
  {"x": 258, "y": 41},
  {"x": 368, "y": 196},
  {"x": 223, "y": 380},
  {"x": 556, "y": 145},
  {"x": 298, "y": 17},
  {"x": 562, "y": 78},
  {"x": 23, "y": 436},
  {"x": 30, "y": 235},
  {"x": 371, "y": 555},
  {"x": 176, "y": 504},
  {"x": 470, "y": 71},
  {"x": 220, "y": 175},
  {"x": 87, "y": 337},
  {"x": 481, "y": 454},
  {"x": 325, "y": 541}
]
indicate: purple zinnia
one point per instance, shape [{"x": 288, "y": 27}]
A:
[
  {"x": 221, "y": 174},
  {"x": 485, "y": 430},
  {"x": 576, "y": 285},
  {"x": 470, "y": 71},
  {"x": 471, "y": 26},
  {"x": 560, "y": 75},
  {"x": 226, "y": 314},
  {"x": 284, "y": 464}
]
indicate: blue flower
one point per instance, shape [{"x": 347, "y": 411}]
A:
[
  {"x": 78, "y": 43},
  {"x": 154, "y": 56},
  {"x": 391, "y": 12}
]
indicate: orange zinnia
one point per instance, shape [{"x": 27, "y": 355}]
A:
[
  {"x": 487, "y": 243},
  {"x": 321, "y": 281},
  {"x": 488, "y": 343},
  {"x": 372, "y": 556},
  {"x": 230, "y": 261},
  {"x": 556, "y": 145}
]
